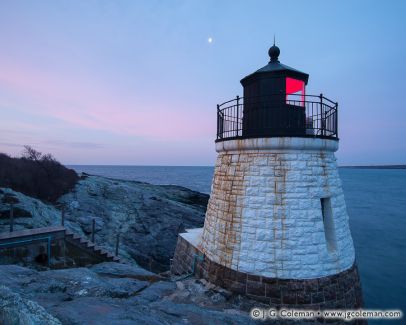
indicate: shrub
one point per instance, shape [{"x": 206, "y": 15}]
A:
[{"x": 37, "y": 175}]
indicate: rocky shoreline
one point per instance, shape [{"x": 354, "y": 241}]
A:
[{"x": 148, "y": 219}]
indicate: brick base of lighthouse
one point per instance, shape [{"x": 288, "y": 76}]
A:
[{"x": 338, "y": 291}]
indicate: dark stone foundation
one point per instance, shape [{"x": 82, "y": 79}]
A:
[{"x": 339, "y": 291}]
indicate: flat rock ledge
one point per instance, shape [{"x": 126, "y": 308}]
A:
[{"x": 110, "y": 294}]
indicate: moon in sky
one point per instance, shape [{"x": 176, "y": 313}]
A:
[{"x": 210, "y": 40}]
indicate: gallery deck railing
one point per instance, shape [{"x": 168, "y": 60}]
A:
[{"x": 277, "y": 115}]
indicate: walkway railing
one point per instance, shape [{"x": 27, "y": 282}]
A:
[{"x": 277, "y": 115}]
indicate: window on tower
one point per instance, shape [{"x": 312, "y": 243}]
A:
[
  {"x": 328, "y": 222},
  {"x": 295, "y": 92}
]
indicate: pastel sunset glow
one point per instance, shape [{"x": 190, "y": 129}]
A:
[{"x": 137, "y": 82}]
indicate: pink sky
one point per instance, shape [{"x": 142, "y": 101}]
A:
[{"x": 137, "y": 83}]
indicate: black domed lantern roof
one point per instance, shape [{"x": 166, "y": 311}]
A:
[{"x": 275, "y": 70}]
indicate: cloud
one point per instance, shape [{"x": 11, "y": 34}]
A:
[
  {"x": 78, "y": 145},
  {"x": 86, "y": 102}
]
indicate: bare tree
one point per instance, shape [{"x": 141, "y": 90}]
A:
[{"x": 31, "y": 154}]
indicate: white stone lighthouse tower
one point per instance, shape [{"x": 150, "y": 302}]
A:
[{"x": 276, "y": 226}]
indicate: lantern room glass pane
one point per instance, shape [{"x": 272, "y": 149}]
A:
[{"x": 295, "y": 92}]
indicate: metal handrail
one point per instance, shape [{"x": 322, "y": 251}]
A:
[{"x": 319, "y": 118}]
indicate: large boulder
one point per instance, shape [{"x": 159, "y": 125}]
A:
[
  {"x": 29, "y": 212},
  {"x": 15, "y": 310}
]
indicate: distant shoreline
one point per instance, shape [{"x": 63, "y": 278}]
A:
[
  {"x": 377, "y": 167},
  {"x": 165, "y": 166}
]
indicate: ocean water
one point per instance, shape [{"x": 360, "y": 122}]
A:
[{"x": 376, "y": 203}]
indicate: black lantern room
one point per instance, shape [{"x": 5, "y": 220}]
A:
[
  {"x": 275, "y": 104},
  {"x": 274, "y": 99}
]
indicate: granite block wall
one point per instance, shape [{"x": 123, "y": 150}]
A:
[{"x": 265, "y": 213}]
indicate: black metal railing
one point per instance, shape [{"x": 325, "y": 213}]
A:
[{"x": 277, "y": 115}]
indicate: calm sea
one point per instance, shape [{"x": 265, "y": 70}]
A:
[{"x": 376, "y": 202}]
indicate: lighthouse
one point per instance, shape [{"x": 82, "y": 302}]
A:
[{"x": 276, "y": 227}]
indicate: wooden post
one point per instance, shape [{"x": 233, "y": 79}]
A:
[
  {"x": 117, "y": 243},
  {"x": 93, "y": 228},
  {"x": 64, "y": 252},
  {"x": 63, "y": 216},
  {"x": 11, "y": 217},
  {"x": 49, "y": 251}
]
